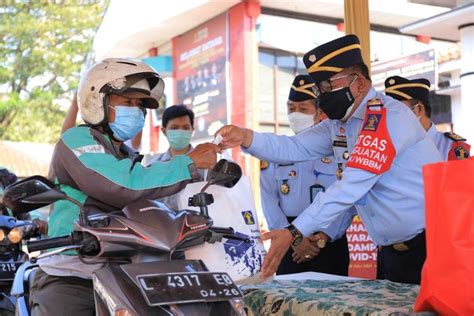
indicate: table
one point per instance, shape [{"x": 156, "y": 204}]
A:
[{"x": 313, "y": 293}]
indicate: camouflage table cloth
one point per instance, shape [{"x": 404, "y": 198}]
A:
[{"x": 312, "y": 297}]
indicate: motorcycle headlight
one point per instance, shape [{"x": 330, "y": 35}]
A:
[
  {"x": 15, "y": 235},
  {"x": 2, "y": 234}
]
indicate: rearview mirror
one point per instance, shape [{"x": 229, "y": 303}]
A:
[
  {"x": 225, "y": 173},
  {"x": 30, "y": 194}
]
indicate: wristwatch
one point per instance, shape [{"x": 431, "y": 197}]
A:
[
  {"x": 297, "y": 236},
  {"x": 321, "y": 243}
]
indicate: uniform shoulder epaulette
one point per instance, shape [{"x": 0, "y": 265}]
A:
[
  {"x": 263, "y": 164},
  {"x": 374, "y": 102},
  {"x": 454, "y": 137}
]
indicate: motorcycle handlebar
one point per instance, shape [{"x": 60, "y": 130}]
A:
[
  {"x": 223, "y": 230},
  {"x": 229, "y": 233},
  {"x": 36, "y": 245}
]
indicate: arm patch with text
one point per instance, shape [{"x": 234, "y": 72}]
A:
[{"x": 374, "y": 151}]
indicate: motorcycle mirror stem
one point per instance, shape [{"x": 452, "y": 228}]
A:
[{"x": 82, "y": 216}]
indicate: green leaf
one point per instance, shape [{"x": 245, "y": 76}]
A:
[{"x": 42, "y": 49}]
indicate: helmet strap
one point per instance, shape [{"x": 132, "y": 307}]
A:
[{"x": 105, "y": 122}]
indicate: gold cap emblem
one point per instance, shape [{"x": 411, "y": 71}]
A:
[
  {"x": 312, "y": 58},
  {"x": 301, "y": 82},
  {"x": 391, "y": 81}
]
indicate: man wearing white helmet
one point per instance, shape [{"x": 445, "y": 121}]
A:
[{"x": 91, "y": 165}]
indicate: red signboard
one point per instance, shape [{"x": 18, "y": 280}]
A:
[
  {"x": 199, "y": 63},
  {"x": 362, "y": 251}
]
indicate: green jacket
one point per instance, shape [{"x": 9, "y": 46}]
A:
[{"x": 104, "y": 177}]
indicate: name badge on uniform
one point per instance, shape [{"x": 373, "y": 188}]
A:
[
  {"x": 285, "y": 187},
  {"x": 339, "y": 143},
  {"x": 314, "y": 191}
]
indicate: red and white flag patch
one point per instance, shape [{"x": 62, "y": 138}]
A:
[{"x": 374, "y": 150}]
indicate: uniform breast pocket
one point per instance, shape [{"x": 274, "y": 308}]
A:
[{"x": 287, "y": 180}]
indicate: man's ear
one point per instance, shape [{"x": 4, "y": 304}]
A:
[
  {"x": 422, "y": 109},
  {"x": 361, "y": 83},
  {"x": 163, "y": 130}
]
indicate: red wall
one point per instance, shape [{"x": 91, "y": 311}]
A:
[{"x": 242, "y": 22}]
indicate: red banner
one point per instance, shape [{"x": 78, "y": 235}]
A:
[
  {"x": 362, "y": 251},
  {"x": 199, "y": 63}
]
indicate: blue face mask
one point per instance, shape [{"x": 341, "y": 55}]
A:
[
  {"x": 179, "y": 138},
  {"x": 129, "y": 120}
]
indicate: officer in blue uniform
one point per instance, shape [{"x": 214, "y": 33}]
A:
[
  {"x": 415, "y": 94},
  {"x": 382, "y": 172},
  {"x": 288, "y": 189}
]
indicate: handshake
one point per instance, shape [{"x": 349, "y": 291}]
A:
[{"x": 310, "y": 247}]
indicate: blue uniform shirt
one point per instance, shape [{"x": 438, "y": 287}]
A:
[
  {"x": 441, "y": 141},
  {"x": 391, "y": 204},
  {"x": 285, "y": 192}
]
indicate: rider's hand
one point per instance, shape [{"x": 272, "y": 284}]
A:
[
  {"x": 233, "y": 136},
  {"x": 42, "y": 226},
  {"x": 204, "y": 155}
]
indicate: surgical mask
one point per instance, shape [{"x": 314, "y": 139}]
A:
[
  {"x": 129, "y": 120},
  {"x": 413, "y": 110},
  {"x": 179, "y": 138},
  {"x": 300, "y": 121},
  {"x": 337, "y": 104}
]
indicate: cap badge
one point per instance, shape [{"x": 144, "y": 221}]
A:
[
  {"x": 301, "y": 82},
  {"x": 312, "y": 58}
]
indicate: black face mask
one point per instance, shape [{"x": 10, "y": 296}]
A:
[{"x": 336, "y": 103}]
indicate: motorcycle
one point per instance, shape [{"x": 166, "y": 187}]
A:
[
  {"x": 144, "y": 274},
  {"x": 12, "y": 232}
]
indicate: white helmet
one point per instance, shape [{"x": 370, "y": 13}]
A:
[{"x": 117, "y": 76}]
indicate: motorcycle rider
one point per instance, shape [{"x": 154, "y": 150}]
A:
[{"x": 92, "y": 165}]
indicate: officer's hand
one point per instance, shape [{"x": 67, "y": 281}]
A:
[
  {"x": 281, "y": 241},
  {"x": 234, "y": 136},
  {"x": 204, "y": 155},
  {"x": 305, "y": 251}
]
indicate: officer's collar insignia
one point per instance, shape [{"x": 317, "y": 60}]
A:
[
  {"x": 326, "y": 160},
  {"x": 263, "y": 164},
  {"x": 372, "y": 122}
]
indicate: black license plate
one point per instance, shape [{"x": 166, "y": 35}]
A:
[
  {"x": 187, "y": 287},
  {"x": 8, "y": 270}
]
